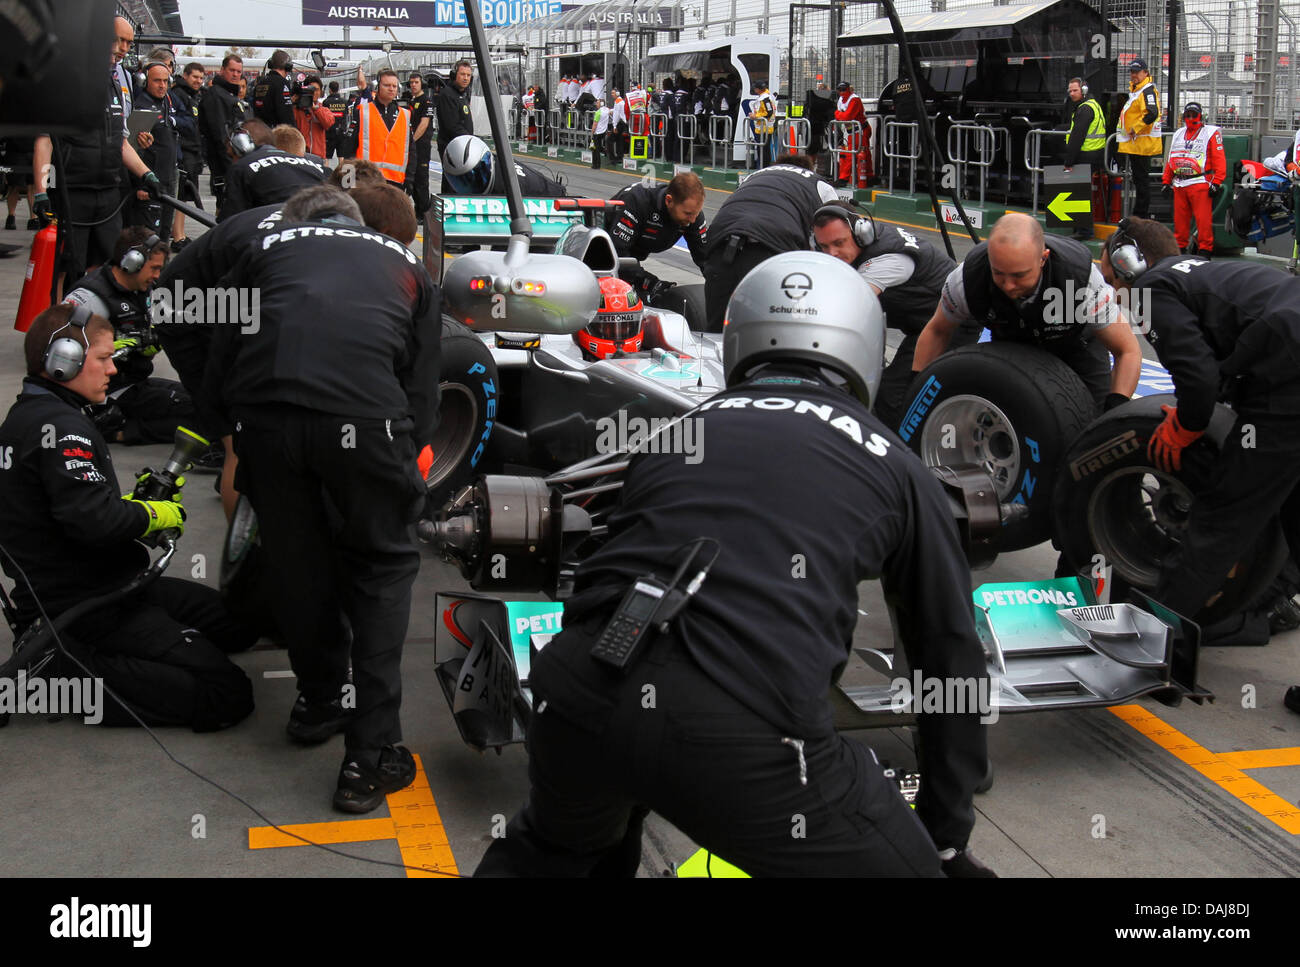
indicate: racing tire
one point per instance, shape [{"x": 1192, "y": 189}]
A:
[
  {"x": 243, "y": 582},
  {"x": 1111, "y": 501},
  {"x": 688, "y": 302},
  {"x": 1010, "y": 409},
  {"x": 466, "y": 413}
]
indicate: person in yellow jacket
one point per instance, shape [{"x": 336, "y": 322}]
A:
[{"x": 1137, "y": 135}]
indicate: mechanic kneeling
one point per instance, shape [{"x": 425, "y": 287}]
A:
[
  {"x": 142, "y": 408},
  {"x": 62, "y": 518},
  {"x": 1045, "y": 291},
  {"x": 722, "y": 725}
]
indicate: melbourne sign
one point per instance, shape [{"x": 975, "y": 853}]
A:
[{"x": 424, "y": 13}]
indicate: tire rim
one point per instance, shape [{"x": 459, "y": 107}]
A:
[
  {"x": 241, "y": 539},
  {"x": 457, "y": 424},
  {"x": 1136, "y": 517},
  {"x": 982, "y": 435}
]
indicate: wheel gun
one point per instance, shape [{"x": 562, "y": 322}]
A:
[{"x": 162, "y": 484}]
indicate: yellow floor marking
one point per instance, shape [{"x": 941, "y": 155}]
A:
[
  {"x": 1262, "y": 758},
  {"x": 1219, "y": 769},
  {"x": 415, "y": 823}
]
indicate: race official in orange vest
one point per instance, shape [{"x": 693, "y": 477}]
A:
[
  {"x": 384, "y": 129},
  {"x": 1195, "y": 170}
]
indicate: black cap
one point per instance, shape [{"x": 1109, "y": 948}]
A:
[
  {"x": 1192, "y": 109},
  {"x": 1138, "y": 64},
  {"x": 842, "y": 86}
]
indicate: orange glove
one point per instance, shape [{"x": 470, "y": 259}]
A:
[{"x": 1170, "y": 439}]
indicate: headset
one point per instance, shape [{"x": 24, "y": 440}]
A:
[
  {"x": 862, "y": 225},
  {"x": 65, "y": 356},
  {"x": 1126, "y": 258},
  {"x": 241, "y": 141},
  {"x": 134, "y": 258}
]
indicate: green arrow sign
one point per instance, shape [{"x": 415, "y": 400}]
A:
[{"x": 1061, "y": 205}]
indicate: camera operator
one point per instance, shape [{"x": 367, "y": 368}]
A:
[
  {"x": 272, "y": 94},
  {"x": 142, "y": 408},
  {"x": 312, "y": 117},
  {"x": 163, "y": 648}
]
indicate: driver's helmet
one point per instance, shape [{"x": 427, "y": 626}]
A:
[
  {"x": 467, "y": 165},
  {"x": 617, "y": 325}
]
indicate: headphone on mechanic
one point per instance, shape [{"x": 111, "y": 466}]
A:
[
  {"x": 861, "y": 224},
  {"x": 65, "y": 356},
  {"x": 1126, "y": 258},
  {"x": 241, "y": 141},
  {"x": 134, "y": 258}
]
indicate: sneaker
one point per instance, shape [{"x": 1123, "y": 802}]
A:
[
  {"x": 363, "y": 788},
  {"x": 1284, "y": 615},
  {"x": 311, "y": 723},
  {"x": 9, "y": 224},
  {"x": 1292, "y": 699},
  {"x": 179, "y": 243}
]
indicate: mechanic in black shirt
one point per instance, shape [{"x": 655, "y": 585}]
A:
[
  {"x": 1224, "y": 332},
  {"x": 337, "y": 105},
  {"x": 905, "y": 272},
  {"x": 453, "y": 110},
  {"x": 143, "y": 408},
  {"x": 471, "y": 169},
  {"x": 722, "y": 725},
  {"x": 219, "y": 114},
  {"x": 266, "y": 174},
  {"x": 272, "y": 93},
  {"x": 771, "y": 212},
  {"x": 417, "y": 170},
  {"x": 63, "y": 519},
  {"x": 159, "y": 149},
  {"x": 329, "y": 417},
  {"x": 186, "y": 96},
  {"x": 1045, "y": 291}
]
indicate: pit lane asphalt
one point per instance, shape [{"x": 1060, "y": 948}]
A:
[{"x": 106, "y": 802}]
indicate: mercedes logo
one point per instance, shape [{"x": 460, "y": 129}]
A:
[{"x": 796, "y": 286}]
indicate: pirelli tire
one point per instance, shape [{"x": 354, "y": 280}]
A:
[
  {"x": 1012, "y": 410},
  {"x": 243, "y": 582},
  {"x": 688, "y": 302},
  {"x": 466, "y": 413},
  {"x": 1112, "y": 506}
]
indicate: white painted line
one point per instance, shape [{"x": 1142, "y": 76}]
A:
[{"x": 281, "y": 674}]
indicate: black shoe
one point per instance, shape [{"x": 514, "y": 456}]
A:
[
  {"x": 1284, "y": 615},
  {"x": 1207, "y": 255},
  {"x": 1292, "y": 699},
  {"x": 210, "y": 460},
  {"x": 9, "y": 224},
  {"x": 33, "y": 224},
  {"x": 363, "y": 788},
  {"x": 311, "y": 723},
  {"x": 179, "y": 243}
]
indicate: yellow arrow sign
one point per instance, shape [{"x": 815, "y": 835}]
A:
[{"x": 1061, "y": 206}]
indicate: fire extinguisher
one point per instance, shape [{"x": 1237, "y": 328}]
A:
[
  {"x": 40, "y": 277},
  {"x": 1116, "y": 198}
]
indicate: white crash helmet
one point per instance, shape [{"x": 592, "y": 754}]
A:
[
  {"x": 806, "y": 307},
  {"x": 467, "y": 165}
]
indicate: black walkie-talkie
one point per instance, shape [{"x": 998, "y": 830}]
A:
[{"x": 627, "y": 629}]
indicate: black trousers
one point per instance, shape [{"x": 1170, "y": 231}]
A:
[
  {"x": 417, "y": 176},
  {"x": 1139, "y": 166},
  {"x": 164, "y": 650},
  {"x": 95, "y": 217},
  {"x": 723, "y": 270},
  {"x": 597, "y": 142},
  {"x": 716, "y": 771},
  {"x": 153, "y": 408},
  {"x": 296, "y": 466},
  {"x": 1252, "y": 485}
]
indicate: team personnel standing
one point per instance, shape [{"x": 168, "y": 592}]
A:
[
  {"x": 855, "y": 158},
  {"x": 617, "y": 128},
  {"x": 652, "y": 219},
  {"x": 142, "y": 408},
  {"x": 337, "y": 105},
  {"x": 92, "y": 163},
  {"x": 186, "y": 96},
  {"x": 762, "y": 120},
  {"x": 454, "y": 118},
  {"x": 417, "y": 171},
  {"x": 266, "y": 174},
  {"x": 469, "y": 168},
  {"x": 1085, "y": 144},
  {"x": 1137, "y": 135},
  {"x": 1224, "y": 332},
  {"x": 219, "y": 114},
  {"x": 330, "y": 414},
  {"x": 159, "y": 148},
  {"x": 272, "y": 94},
  {"x": 770, "y": 213},
  {"x": 163, "y": 648},
  {"x": 1045, "y": 291},
  {"x": 906, "y": 273},
  {"x": 383, "y": 130},
  {"x": 740, "y": 737},
  {"x": 1195, "y": 172},
  {"x": 599, "y": 131}
]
